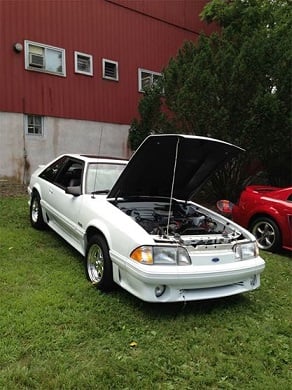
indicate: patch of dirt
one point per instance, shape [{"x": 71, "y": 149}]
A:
[{"x": 12, "y": 189}]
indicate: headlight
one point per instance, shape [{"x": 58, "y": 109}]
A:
[
  {"x": 246, "y": 251},
  {"x": 166, "y": 255}
]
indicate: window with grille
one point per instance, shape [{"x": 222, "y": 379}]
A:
[
  {"x": 44, "y": 58},
  {"x": 147, "y": 78},
  {"x": 110, "y": 70},
  {"x": 34, "y": 125},
  {"x": 83, "y": 63}
]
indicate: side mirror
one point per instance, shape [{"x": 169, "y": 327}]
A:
[{"x": 75, "y": 190}]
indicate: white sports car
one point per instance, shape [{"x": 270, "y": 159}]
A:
[{"x": 135, "y": 223}]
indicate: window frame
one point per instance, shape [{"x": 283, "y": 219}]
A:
[
  {"x": 151, "y": 73},
  {"x": 66, "y": 171},
  {"x": 104, "y": 61},
  {"x": 52, "y": 171},
  {"x": 89, "y": 57},
  {"x": 45, "y": 48},
  {"x": 59, "y": 171},
  {"x": 34, "y": 134}
]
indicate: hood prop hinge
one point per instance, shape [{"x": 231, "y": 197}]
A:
[{"x": 172, "y": 187}]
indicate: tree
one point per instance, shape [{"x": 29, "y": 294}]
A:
[
  {"x": 234, "y": 85},
  {"x": 153, "y": 119}
]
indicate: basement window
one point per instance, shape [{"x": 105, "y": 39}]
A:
[
  {"x": 83, "y": 63},
  {"x": 44, "y": 58},
  {"x": 147, "y": 78},
  {"x": 110, "y": 70},
  {"x": 34, "y": 125}
]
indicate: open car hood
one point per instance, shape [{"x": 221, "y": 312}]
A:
[{"x": 167, "y": 161}]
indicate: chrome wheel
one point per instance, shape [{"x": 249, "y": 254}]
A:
[
  {"x": 267, "y": 234},
  {"x": 36, "y": 215},
  {"x": 98, "y": 264},
  {"x": 35, "y": 210},
  {"x": 95, "y": 263}
]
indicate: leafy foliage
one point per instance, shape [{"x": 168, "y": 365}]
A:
[
  {"x": 154, "y": 120},
  {"x": 235, "y": 86}
]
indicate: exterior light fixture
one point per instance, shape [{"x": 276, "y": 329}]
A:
[{"x": 18, "y": 47}]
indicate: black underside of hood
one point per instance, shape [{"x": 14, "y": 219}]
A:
[{"x": 163, "y": 162}]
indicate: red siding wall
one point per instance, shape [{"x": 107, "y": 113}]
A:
[
  {"x": 146, "y": 36},
  {"x": 181, "y": 13}
]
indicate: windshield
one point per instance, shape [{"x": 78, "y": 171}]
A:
[{"x": 102, "y": 176}]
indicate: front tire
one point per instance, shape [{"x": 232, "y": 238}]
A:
[
  {"x": 98, "y": 265},
  {"x": 267, "y": 233},
  {"x": 36, "y": 214}
]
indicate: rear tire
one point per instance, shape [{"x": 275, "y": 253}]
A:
[
  {"x": 36, "y": 214},
  {"x": 267, "y": 233},
  {"x": 98, "y": 265}
]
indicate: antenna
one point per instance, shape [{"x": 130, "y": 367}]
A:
[
  {"x": 98, "y": 153},
  {"x": 100, "y": 139},
  {"x": 172, "y": 186}
]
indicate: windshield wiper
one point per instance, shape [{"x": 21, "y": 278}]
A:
[{"x": 100, "y": 192}]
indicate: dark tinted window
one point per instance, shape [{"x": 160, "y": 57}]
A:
[
  {"x": 64, "y": 172},
  {"x": 70, "y": 174},
  {"x": 52, "y": 171}
]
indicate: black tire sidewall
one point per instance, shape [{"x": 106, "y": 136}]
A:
[{"x": 277, "y": 243}]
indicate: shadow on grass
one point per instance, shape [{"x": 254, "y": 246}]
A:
[
  {"x": 235, "y": 303},
  {"x": 285, "y": 253}
]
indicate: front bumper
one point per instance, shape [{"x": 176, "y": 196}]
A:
[{"x": 187, "y": 283}]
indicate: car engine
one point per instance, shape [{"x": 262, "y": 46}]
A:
[
  {"x": 184, "y": 222},
  {"x": 157, "y": 220}
]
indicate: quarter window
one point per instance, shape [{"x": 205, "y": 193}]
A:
[
  {"x": 110, "y": 70},
  {"x": 147, "y": 78},
  {"x": 34, "y": 125},
  {"x": 44, "y": 58},
  {"x": 83, "y": 63}
]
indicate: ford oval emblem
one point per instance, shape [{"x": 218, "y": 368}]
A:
[{"x": 215, "y": 259}]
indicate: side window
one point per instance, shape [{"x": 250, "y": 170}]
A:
[
  {"x": 52, "y": 171},
  {"x": 147, "y": 78},
  {"x": 34, "y": 125},
  {"x": 45, "y": 58},
  {"x": 70, "y": 175},
  {"x": 83, "y": 63},
  {"x": 110, "y": 70},
  {"x": 289, "y": 199}
]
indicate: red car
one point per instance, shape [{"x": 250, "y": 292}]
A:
[{"x": 267, "y": 212}]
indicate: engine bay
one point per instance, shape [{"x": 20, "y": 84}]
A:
[{"x": 183, "y": 221}]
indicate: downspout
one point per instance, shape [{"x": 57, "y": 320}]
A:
[{"x": 26, "y": 164}]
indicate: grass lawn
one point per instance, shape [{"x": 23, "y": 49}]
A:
[{"x": 59, "y": 332}]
